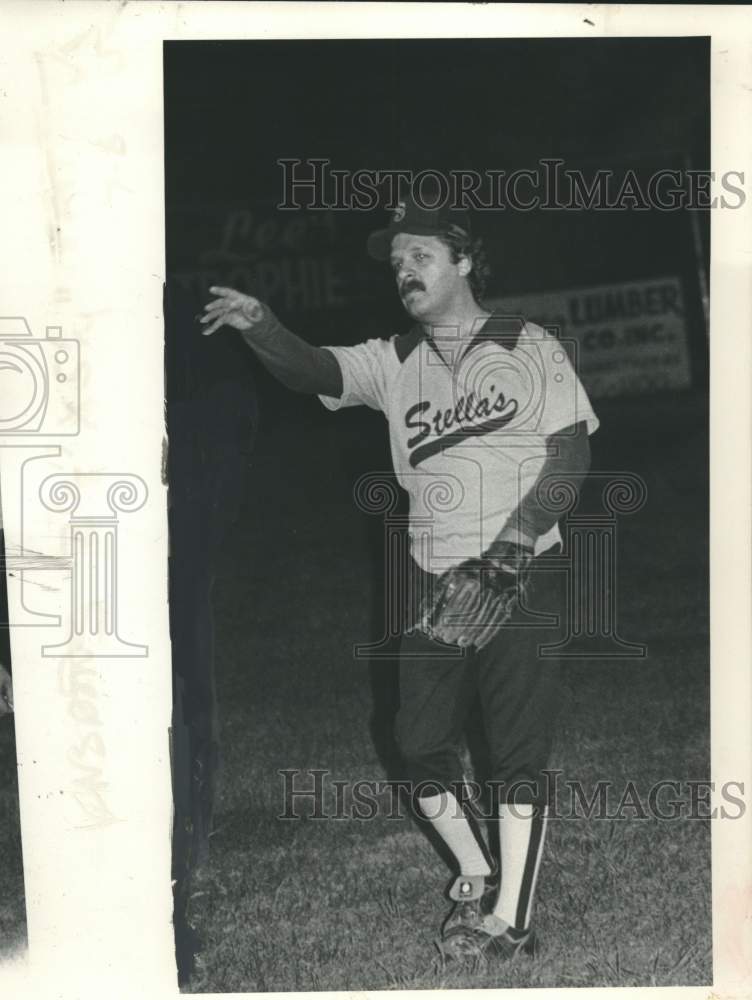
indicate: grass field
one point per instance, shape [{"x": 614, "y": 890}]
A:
[{"x": 342, "y": 904}]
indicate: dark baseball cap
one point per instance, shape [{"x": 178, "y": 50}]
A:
[{"x": 411, "y": 217}]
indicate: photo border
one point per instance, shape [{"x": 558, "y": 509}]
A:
[{"x": 81, "y": 87}]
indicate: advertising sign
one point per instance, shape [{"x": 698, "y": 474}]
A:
[{"x": 632, "y": 337}]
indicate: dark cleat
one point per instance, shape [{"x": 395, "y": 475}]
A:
[{"x": 485, "y": 937}]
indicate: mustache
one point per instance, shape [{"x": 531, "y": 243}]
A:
[{"x": 410, "y": 284}]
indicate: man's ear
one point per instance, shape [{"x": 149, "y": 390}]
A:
[{"x": 464, "y": 266}]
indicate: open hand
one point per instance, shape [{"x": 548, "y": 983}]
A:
[{"x": 232, "y": 308}]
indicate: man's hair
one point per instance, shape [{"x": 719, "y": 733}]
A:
[{"x": 462, "y": 245}]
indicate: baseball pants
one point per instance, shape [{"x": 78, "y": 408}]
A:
[{"x": 517, "y": 689}]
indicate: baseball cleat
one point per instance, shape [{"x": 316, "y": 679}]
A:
[
  {"x": 472, "y": 900},
  {"x": 485, "y": 938}
]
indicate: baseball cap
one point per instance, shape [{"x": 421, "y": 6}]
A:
[{"x": 410, "y": 217}]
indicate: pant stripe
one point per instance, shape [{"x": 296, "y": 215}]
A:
[
  {"x": 474, "y": 822},
  {"x": 532, "y": 864}
]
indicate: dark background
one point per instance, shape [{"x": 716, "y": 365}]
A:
[{"x": 232, "y": 109}]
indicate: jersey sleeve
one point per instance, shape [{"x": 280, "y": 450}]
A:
[
  {"x": 565, "y": 401},
  {"x": 365, "y": 374}
]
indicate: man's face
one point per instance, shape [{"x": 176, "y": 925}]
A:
[{"x": 428, "y": 281}]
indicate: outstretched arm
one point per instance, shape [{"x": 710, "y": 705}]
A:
[{"x": 297, "y": 364}]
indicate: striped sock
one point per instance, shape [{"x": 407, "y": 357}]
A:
[
  {"x": 445, "y": 816},
  {"x": 522, "y": 831}
]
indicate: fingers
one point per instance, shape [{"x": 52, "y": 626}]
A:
[
  {"x": 218, "y": 305},
  {"x": 488, "y": 624},
  {"x": 216, "y": 319},
  {"x": 233, "y": 307},
  {"x": 215, "y": 325},
  {"x": 228, "y": 298},
  {"x": 218, "y": 310},
  {"x": 465, "y": 598},
  {"x": 470, "y": 614},
  {"x": 448, "y": 623}
]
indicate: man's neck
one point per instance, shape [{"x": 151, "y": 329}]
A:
[{"x": 454, "y": 327}]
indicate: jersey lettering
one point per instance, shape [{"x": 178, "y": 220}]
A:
[
  {"x": 425, "y": 429},
  {"x": 465, "y": 413}
]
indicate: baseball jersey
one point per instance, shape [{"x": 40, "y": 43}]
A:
[{"x": 468, "y": 421}]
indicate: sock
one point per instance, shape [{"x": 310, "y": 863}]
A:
[
  {"x": 445, "y": 816},
  {"x": 522, "y": 830}
]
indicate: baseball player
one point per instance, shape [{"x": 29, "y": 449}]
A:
[{"x": 485, "y": 416}]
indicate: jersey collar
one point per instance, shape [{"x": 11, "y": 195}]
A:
[{"x": 499, "y": 329}]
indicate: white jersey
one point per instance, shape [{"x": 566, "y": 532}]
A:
[{"x": 468, "y": 422}]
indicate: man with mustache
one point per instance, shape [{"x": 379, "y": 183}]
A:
[{"x": 481, "y": 410}]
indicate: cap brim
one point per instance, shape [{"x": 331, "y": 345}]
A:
[{"x": 379, "y": 244}]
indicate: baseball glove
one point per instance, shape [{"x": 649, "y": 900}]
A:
[{"x": 470, "y": 602}]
